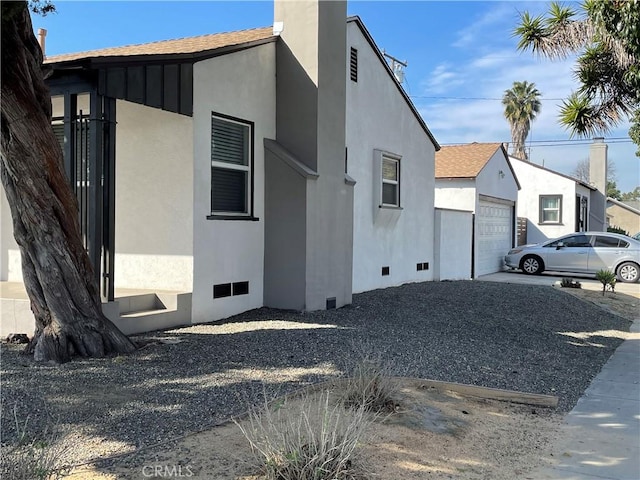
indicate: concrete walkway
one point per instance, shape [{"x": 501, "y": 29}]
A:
[
  {"x": 601, "y": 435},
  {"x": 600, "y": 438}
]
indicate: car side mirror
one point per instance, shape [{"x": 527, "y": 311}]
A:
[{"x": 559, "y": 245}]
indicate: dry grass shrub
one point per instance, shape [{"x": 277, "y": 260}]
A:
[
  {"x": 371, "y": 385},
  {"x": 32, "y": 457},
  {"x": 311, "y": 439}
]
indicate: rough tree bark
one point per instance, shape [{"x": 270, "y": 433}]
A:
[{"x": 65, "y": 298}]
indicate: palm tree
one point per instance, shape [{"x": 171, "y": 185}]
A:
[
  {"x": 521, "y": 105},
  {"x": 608, "y": 66}
]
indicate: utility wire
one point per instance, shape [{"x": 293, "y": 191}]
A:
[{"x": 476, "y": 98}]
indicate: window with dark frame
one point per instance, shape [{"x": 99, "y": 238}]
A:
[
  {"x": 551, "y": 209},
  {"x": 390, "y": 181},
  {"x": 231, "y": 166}
]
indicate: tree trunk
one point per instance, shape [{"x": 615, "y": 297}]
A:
[{"x": 57, "y": 273}]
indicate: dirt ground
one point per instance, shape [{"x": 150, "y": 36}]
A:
[
  {"x": 627, "y": 306},
  {"x": 437, "y": 434}
]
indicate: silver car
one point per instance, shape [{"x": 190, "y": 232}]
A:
[{"x": 583, "y": 252}]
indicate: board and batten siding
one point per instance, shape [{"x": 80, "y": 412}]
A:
[{"x": 240, "y": 85}]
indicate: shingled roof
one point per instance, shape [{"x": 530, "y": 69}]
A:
[
  {"x": 464, "y": 161},
  {"x": 190, "y": 45}
]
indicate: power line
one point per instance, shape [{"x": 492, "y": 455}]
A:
[
  {"x": 563, "y": 142},
  {"x": 476, "y": 98}
]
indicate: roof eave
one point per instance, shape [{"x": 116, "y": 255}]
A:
[
  {"x": 193, "y": 57},
  {"x": 623, "y": 205},
  {"x": 456, "y": 178},
  {"x": 568, "y": 177}
]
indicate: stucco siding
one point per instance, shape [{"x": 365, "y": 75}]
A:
[
  {"x": 535, "y": 182},
  {"x": 10, "y": 262},
  {"x": 453, "y": 238},
  {"x": 457, "y": 194},
  {"x": 154, "y": 198},
  {"x": 622, "y": 218},
  {"x": 496, "y": 180},
  {"x": 241, "y": 85},
  {"x": 379, "y": 119}
]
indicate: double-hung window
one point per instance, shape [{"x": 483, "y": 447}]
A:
[
  {"x": 231, "y": 166},
  {"x": 550, "y": 208},
  {"x": 390, "y": 181}
]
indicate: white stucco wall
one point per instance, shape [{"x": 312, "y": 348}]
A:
[
  {"x": 10, "y": 267},
  {"x": 241, "y": 85},
  {"x": 458, "y": 194},
  {"x": 453, "y": 237},
  {"x": 379, "y": 118},
  {"x": 154, "y": 198},
  {"x": 496, "y": 180},
  {"x": 536, "y": 181}
]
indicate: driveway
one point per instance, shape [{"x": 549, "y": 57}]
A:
[{"x": 553, "y": 278}]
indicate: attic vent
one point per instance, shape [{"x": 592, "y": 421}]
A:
[{"x": 353, "y": 64}]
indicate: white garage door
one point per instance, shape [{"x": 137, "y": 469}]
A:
[{"x": 494, "y": 230}]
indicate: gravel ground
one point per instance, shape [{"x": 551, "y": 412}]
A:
[{"x": 496, "y": 335}]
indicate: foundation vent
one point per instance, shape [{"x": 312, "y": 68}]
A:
[
  {"x": 222, "y": 290},
  {"x": 353, "y": 64}
]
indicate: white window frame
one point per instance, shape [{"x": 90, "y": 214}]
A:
[
  {"x": 248, "y": 168},
  {"x": 544, "y": 210},
  {"x": 379, "y": 156}
]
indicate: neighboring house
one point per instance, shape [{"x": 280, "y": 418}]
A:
[
  {"x": 624, "y": 215},
  {"x": 479, "y": 178},
  {"x": 226, "y": 170},
  {"x": 550, "y": 204}
]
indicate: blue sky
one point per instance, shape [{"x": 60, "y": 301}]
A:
[{"x": 461, "y": 58}]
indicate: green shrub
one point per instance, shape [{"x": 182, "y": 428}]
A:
[
  {"x": 608, "y": 280},
  {"x": 614, "y": 229}
]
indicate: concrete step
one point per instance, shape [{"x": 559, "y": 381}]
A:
[{"x": 140, "y": 303}]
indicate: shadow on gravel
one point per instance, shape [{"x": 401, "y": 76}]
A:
[{"x": 496, "y": 335}]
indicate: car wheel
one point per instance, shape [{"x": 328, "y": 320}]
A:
[
  {"x": 531, "y": 265},
  {"x": 628, "y": 272}
]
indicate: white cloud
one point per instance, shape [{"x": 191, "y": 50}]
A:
[
  {"x": 441, "y": 79},
  {"x": 481, "y": 28},
  {"x": 472, "y": 87}
]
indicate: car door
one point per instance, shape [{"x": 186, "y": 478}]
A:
[
  {"x": 606, "y": 252},
  {"x": 569, "y": 254}
]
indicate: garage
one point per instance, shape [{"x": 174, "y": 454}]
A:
[
  {"x": 478, "y": 178},
  {"x": 494, "y": 234}
]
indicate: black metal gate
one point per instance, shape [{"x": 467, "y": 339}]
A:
[
  {"x": 88, "y": 144},
  {"x": 79, "y": 179}
]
